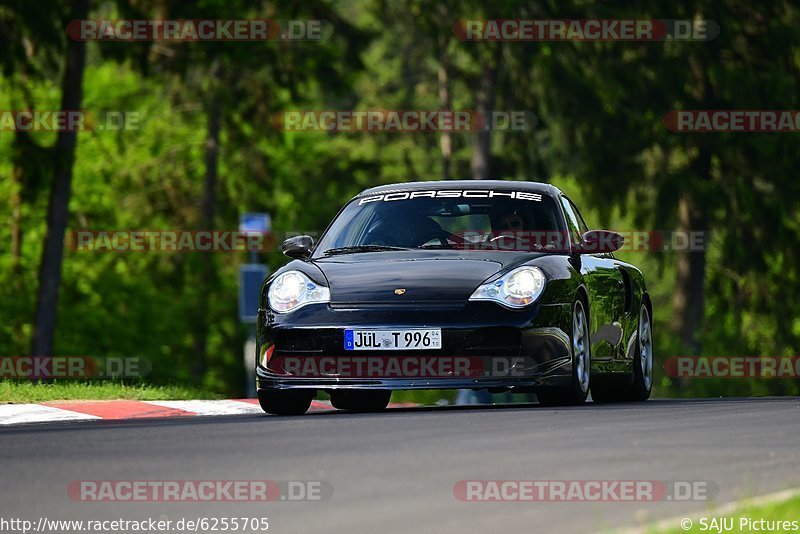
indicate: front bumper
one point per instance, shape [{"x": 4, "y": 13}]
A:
[{"x": 518, "y": 349}]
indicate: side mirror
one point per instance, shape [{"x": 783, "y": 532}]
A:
[
  {"x": 600, "y": 241},
  {"x": 298, "y": 247}
]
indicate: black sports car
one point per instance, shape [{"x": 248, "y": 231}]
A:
[{"x": 457, "y": 284}]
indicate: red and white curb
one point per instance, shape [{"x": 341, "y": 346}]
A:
[{"x": 11, "y": 414}]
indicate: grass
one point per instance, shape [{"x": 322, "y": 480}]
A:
[
  {"x": 19, "y": 392},
  {"x": 772, "y": 513},
  {"x": 426, "y": 397}
]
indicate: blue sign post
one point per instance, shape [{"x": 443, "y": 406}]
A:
[
  {"x": 251, "y": 276},
  {"x": 255, "y": 222}
]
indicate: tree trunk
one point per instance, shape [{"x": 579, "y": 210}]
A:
[
  {"x": 688, "y": 300},
  {"x": 481, "y": 140},
  {"x": 63, "y": 158},
  {"x": 207, "y": 215},
  {"x": 446, "y": 140},
  {"x": 16, "y": 218},
  {"x": 26, "y": 177}
]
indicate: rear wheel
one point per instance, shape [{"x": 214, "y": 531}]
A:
[
  {"x": 578, "y": 389},
  {"x": 285, "y": 402},
  {"x": 643, "y": 361},
  {"x": 365, "y": 400},
  {"x": 639, "y": 389}
]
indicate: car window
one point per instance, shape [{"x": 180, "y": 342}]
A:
[
  {"x": 581, "y": 223},
  {"x": 572, "y": 221},
  {"x": 529, "y": 221}
]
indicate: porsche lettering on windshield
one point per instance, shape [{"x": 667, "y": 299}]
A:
[{"x": 467, "y": 193}]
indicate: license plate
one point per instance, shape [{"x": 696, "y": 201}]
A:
[{"x": 416, "y": 339}]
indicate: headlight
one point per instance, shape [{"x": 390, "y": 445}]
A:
[
  {"x": 515, "y": 289},
  {"x": 293, "y": 289}
]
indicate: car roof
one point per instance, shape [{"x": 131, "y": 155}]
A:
[{"x": 462, "y": 184}]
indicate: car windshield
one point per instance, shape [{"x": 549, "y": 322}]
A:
[{"x": 484, "y": 220}]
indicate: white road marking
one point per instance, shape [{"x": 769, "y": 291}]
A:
[
  {"x": 210, "y": 407},
  {"x": 11, "y": 414}
]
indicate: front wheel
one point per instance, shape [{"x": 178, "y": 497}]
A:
[
  {"x": 578, "y": 389},
  {"x": 285, "y": 402}
]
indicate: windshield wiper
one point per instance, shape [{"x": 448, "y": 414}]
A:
[
  {"x": 360, "y": 248},
  {"x": 441, "y": 246}
]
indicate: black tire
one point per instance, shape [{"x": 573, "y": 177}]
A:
[
  {"x": 581, "y": 350},
  {"x": 643, "y": 364},
  {"x": 640, "y": 387},
  {"x": 285, "y": 402},
  {"x": 364, "y": 400}
]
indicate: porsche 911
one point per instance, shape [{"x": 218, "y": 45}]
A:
[{"x": 496, "y": 285}]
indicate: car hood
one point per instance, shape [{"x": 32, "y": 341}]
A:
[{"x": 429, "y": 276}]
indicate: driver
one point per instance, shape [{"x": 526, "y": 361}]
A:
[
  {"x": 509, "y": 229},
  {"x": 506, "y": 223}
]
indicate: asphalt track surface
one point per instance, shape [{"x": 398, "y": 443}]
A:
[{"x": 395, "y": 472}]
